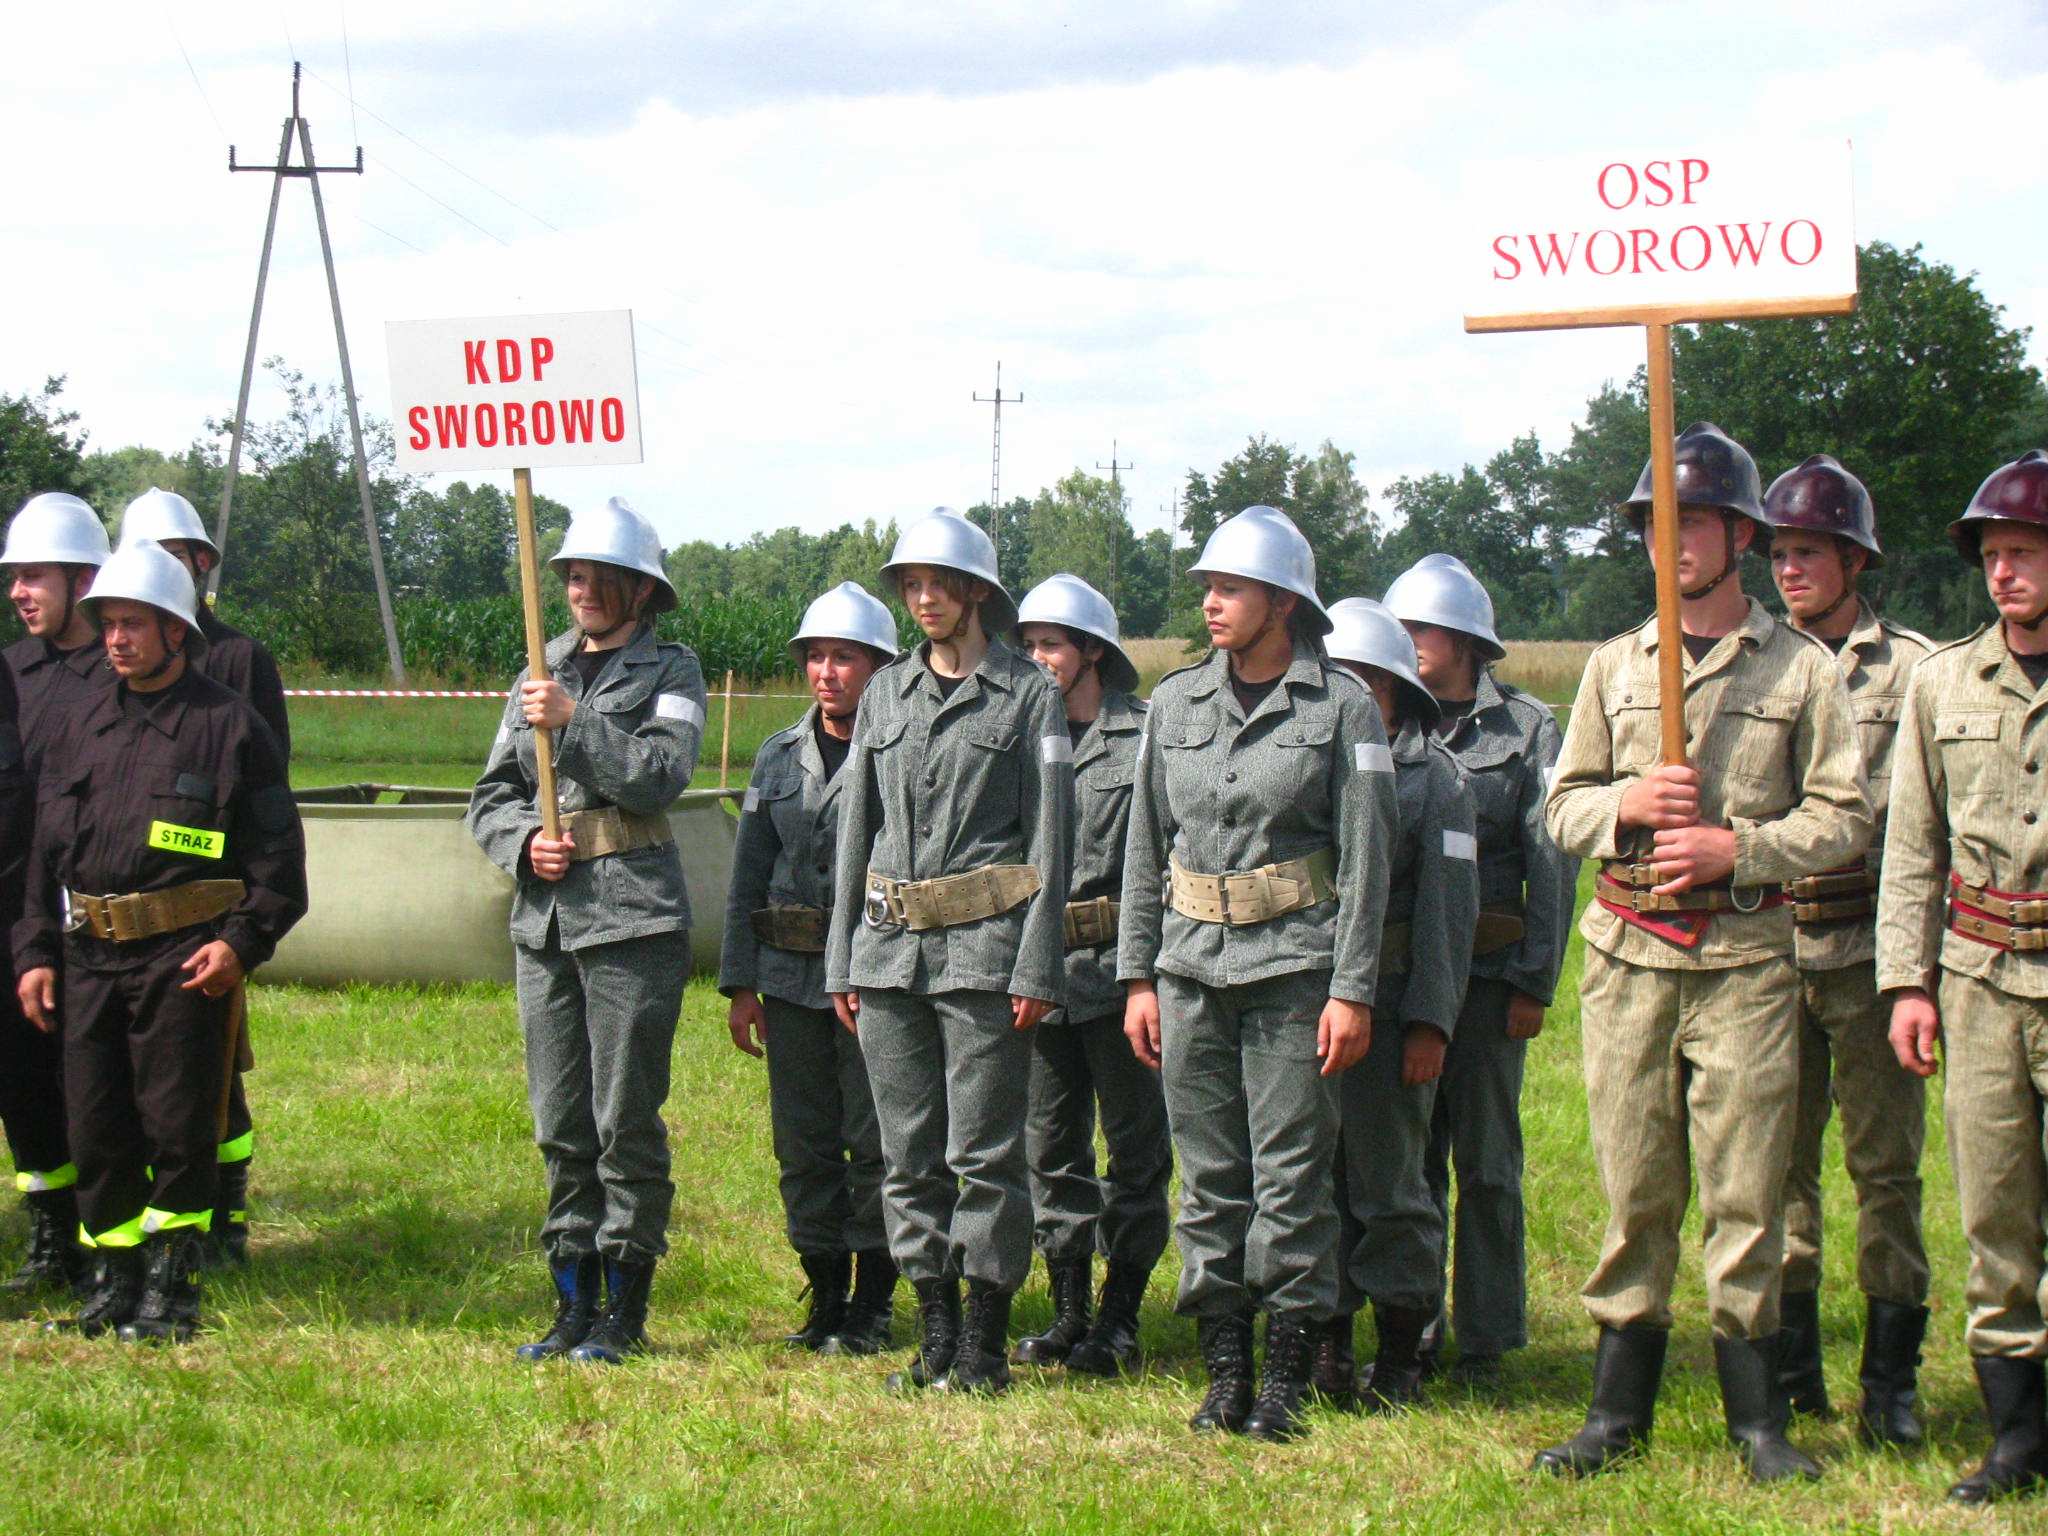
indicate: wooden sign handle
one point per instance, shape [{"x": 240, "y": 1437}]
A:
[
  {"x": 536, "y": 644},
  {"x": 1664, "y": 538}
]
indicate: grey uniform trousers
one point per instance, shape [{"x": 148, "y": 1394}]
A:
[
  {"x": 1122, "y": 1214},
  {"x": 1477, "y": 1131},
  {"x": 1842, "y": 1024},
  {"x": 826, "y": 1141},
  {"x": 1390, "y": 1243},
  {"x": 600, "y": 1023},
  {"x": 1256, "y": 1128},
  {"x": 951, "y": 1076}
]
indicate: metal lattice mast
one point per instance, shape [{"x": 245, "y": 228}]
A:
[
  {"x": 995, "y": 472},
  {"x": 1116, "y": 541}
]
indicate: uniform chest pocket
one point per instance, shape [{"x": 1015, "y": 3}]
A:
[
  {"x": 772, "y": 795},
  {"x": 1751, "y": 737},
  {"x": 1300, "y": 750},
  {"x": 1496, "y": 785},
  {"x": 628, "y": 697},
  {"x": 1968, "y": 744},
  {"x": 188, "y": 814},
  {"x": 1634, "y": 731},
  {"x": 1877, "y": 724}
]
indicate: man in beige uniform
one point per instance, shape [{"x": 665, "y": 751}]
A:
[
  {"x": 1826, "y": 536},
  {"x": 1967, "y": 851},
  {"x": 1689, "y": 1002}
]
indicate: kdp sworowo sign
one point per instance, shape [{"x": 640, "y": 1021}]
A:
[
  {"x": 515, "y": 391},
  {"x": 1680, "y": 233}
]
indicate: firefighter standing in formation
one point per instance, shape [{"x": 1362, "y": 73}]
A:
[{"x": 1963, "y": 947}]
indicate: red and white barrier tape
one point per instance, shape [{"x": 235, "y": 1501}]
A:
[{"x": 455, "y": 693}]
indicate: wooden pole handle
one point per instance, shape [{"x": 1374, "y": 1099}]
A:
[
  {"x": 1664, "y": 540},
  {"x": 536, "y": 644}
]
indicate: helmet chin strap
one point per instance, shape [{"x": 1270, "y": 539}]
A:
[
  {"x": 1727, "y": 566},
  {"x": 170, "y": 656}
]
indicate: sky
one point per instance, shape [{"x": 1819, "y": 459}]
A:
[{"x": 1175, "y": 224}]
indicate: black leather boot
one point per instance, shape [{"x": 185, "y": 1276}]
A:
[
  {"x": 1800, "y": 1376},
  {"x": 1280, "y": 1413},
  {"x": 1333, "y": 1373},
  {"x": 1626, "y": 1372},
  {"x": 1395, "y": 1380},
  {"x": 1111, "y": 1346},
  {"x": 1754, "y": 1404},
  {"x": 2014, "y": 1395},
  {"x": 579, "y": 1287},
  {"x": 865, "y": 1330},
  {"x": 621, "y": 1329},
  {"x": 1429, "y": 1353},
  {"x": 169, "y": 1309},
  {"x": 1226, "y": 1344},
  {"x": 1891, "y": 1372},
  {"x": 827, "y": 1277},
  {"x": 982, "y": 1364},
  {"x": 54, "y": 1261},
  {"x": 1070, "y": 1281},
  {"x": 228, "y": 1240},
  {"x": 938, "y": 1318},
  {"x": 112, "y": 1296}
]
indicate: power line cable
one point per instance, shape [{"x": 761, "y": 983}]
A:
[
  {"x": 354, "y": 128},
  {"x": 390, "y": 236},
  {"x": 423, "y": 192},
  {"x": 193, "y": 71}
]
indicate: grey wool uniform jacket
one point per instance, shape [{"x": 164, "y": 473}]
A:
[
  {"x": 1105, "y": 763},
  {"x": 789, "y": 832},
  {"x": 632, "y": 743},
  {"x": 1309, "y": 770},
  {"x": 943, "y": 786},
  {"x": 1433, "y": 885}
]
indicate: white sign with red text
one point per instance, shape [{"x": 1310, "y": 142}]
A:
[
  {"x": 515, "y": 391},
  {"x": 1684, "y": 232}
]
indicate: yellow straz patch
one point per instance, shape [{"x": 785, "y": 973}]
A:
[{"x": 197, "y": 841}]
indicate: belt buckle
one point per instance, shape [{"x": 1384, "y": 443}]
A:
[
  {"x": 875, "y": 910},
  {"x": 1735, "y": 897},
  {"x": 74, "y": 915}
]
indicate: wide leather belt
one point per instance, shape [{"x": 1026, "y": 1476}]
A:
[
  {"x": 145, "y": 914},
  {"x": 948, "y": 900},
  {"x": 1497, "y": 928},
  {"x": 1632, "y": 886},
  {"x": 1091, "y": 923},
  {"x": 2016, "y": 921},
  {"x": 608, "y": 830},
  {"x": 1834, "y": 894},
  {"x": 1255, "y": 895},
  {"x": 796, "y": 928}
]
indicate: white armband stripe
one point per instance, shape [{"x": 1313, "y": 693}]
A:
[
  {"x": 1055, "y": 749},
  {"x": 753, "y": 801},
  {"x": 504, "y": 735},
  {"x": 1461, "y": 845},
  {"x": 1371, "y": 757},
  {"x": 675, "y": 706}
]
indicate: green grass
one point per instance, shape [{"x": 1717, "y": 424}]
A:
[{"x": 359, "y": 1375}]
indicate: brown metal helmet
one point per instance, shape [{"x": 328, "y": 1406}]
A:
[
  {"x": 2015, "y": 493},
  {"x": 1713, "y": 470},
  {"x": 1820, "y": 496}
]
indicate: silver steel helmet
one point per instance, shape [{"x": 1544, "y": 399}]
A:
[
  {"x": 617, "y": 535},
  {"x": 1441, "y": 590},
  {"x": 1367, "y": 632},
  {"x": 848, "y": 612},
  {"x": 146, "y": 572},
  {"x": 55, "y": 529},
  {"x": 942, "y": 537},
  {"x": 1071, "y": 603},
  {"x": 1263, "y": 544},
  {"x": 159, "y": 515}
]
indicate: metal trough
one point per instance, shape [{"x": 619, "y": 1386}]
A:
[{"x": 400, "y": 892}]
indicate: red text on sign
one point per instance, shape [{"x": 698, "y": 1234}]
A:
[
  {"x": 1621, "y": 185},
  {"x": 516, "y": 423},
  {"x": 513, "y": 359},
  {"x": 1689, "y": 248}
]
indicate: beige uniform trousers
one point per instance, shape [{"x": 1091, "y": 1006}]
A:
[
  {"x": 1996, "y": 1060},
  {"x": 1845, "y": 1059},
  {"x": 1705, "y": 1061}
]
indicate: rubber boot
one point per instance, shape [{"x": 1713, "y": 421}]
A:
[
  {"x": 1279, "y": 1413},
  {"x": 1627, "y": 1369},
  {"x": 1226, "y": 1345},
  {"x": 1800, "y": 1376},
  {"x": 169, "y": 1310},
  {"x": 1753, "y": 1402},
  {"x": 54, "y": 1261},
  {"x": 1891, "y": 1372},
  {"x": 579, "y": 1287},
  {"x": 1111, "y": 1347},
  {"x": 114, "y": 1293},
  {"x": 1395, "y": 1380},
  {"x": 828, "y": 1276},
  {"x": 1333, "y": 1373},
  {"x": 2014, "y": 1395},
  {"x": 228, "y": 1239},
  {"x": 938, "y": 1319},
  {"x": 981, "y": 1364},
  {"x": 621, "y": 1329},
  {"x": 1070, "y": 1280},
  {"x": 865, "y": 1330}
]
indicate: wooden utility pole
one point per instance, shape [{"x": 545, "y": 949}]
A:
[{"x": 1116, "y": 534}]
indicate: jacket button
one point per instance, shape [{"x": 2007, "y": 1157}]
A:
[
  {"x": 2030, "y": 818},
  {"x": 1229, "y": 821},
  {"x": 2032, "y": 766},
  {"x": 1230, "y": 778}
]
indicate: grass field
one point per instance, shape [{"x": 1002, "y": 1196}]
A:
[{"x": 359, "y": 1375}]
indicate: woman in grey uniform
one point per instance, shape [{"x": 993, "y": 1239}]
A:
[
  {"x": 600, "y": 922},
  {"x": 1265, "y": 805},
  {"x": 955, "y": 836},
  {"x": 1392, "y": 1233},
  {"x": 1507, "y": 742},
  {"x": 772, "y": 967},
  {"x": 1080, "y": 1057}
]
